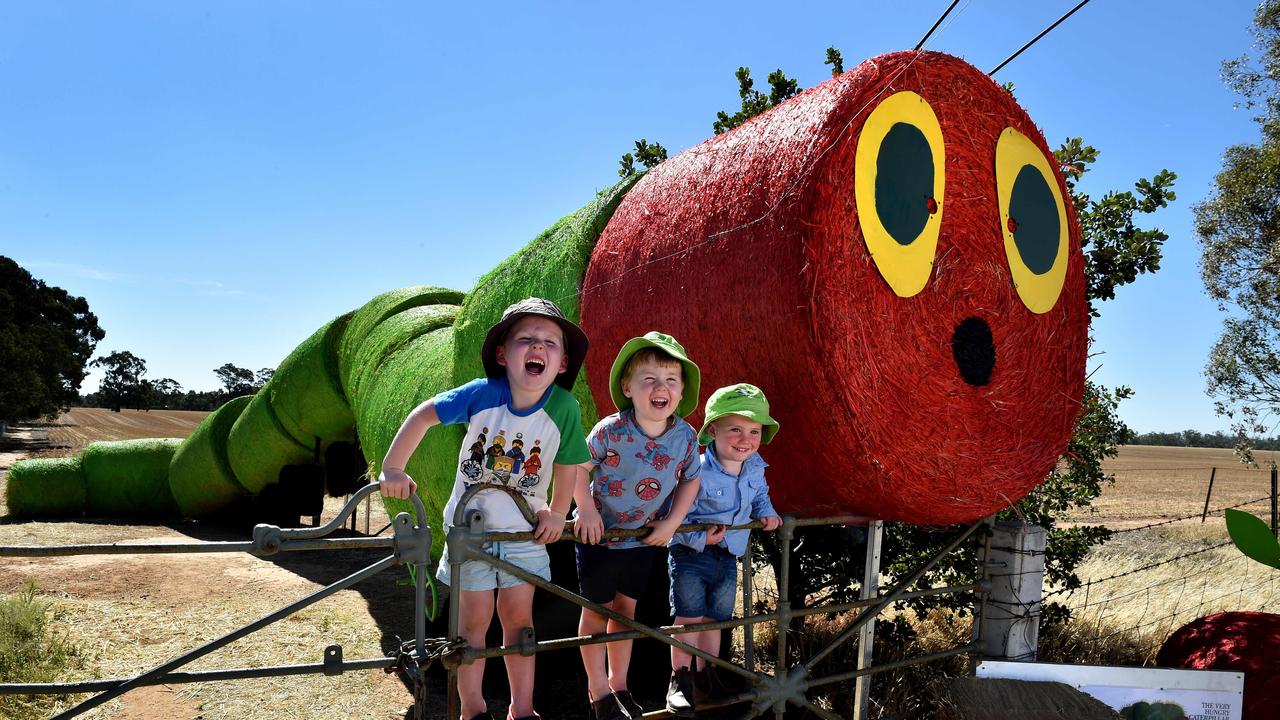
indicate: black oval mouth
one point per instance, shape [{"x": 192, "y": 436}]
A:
[{"x": 974, "y": 351}]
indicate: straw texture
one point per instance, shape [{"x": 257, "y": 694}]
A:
[
  {"x": 129, "y": 478},
  {"x": 372, "y": 313},
  {"x": 200, "y": 476},
  {"x": 1245, "y": 642},
  {"x": 748, "y": 249},
  {"x": 306, "y": 392},
  {"x": 258, "y": 446},
  {"x": 46, "y": 487}
]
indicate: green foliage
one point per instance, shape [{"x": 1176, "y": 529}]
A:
[
  {"x": 46, "y": 338},
  {"x": 648, "y": 154},
  {"x": 835, "y": 60},
  {"x": 1252, "y": 536},
  {"x": 31, "y": 652},
  {"x": 755, "y": 102},
  {"x": 123, "y": 386},
  {"x": 1239, "y": 230},
  {"x": 235, "y": 380},
  {"x": 1116, "y": 250}
]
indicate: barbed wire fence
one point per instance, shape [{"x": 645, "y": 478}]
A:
[{"x": 1152, "y": 577}]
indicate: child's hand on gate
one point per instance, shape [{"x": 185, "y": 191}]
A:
[
  {"x": 716, "y": 535},
  {"x": 396, "y": 483},
  {"x": 588, "y": 527},
  {"x": 660, "y": 532},
  {"x": 771, "y": 523},
  {"x": 550, "y": 526}
]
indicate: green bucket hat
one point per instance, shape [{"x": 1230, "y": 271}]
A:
[
  {"x": 668, "y": 345},
  {"x": 741, "y": 399}
]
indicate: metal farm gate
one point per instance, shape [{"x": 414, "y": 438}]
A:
[{"x": 410, "y": 544}]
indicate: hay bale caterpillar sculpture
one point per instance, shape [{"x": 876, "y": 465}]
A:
[{"x": 890, "y": 254}]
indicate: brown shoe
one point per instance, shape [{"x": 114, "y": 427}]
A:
[
  {"x": 680, "y": 694},
  {"x": 607, "y": 708}
]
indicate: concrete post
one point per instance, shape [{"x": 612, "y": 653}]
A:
[{"x": 1011, "y": 614}]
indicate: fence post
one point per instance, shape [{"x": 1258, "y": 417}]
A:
[
  {"x": 1275, "y": 526},
  {"x": 867, "y": 634},
  {"x": 1011, "y": 614},
  {"x": 1212, "y": 472}
]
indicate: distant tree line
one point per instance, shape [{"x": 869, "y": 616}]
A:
[
  {"x": 124, "y": 385},
  {"x": 1195, "y": 438}
]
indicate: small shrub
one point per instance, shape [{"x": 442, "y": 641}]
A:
[{"x": 30, "y": 652}]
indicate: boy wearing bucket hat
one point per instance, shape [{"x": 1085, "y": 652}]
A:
[
  {"x": 522, "y": 420},
  {"x": 645, "y": 462},
  {"x": 704, "y": 564}
]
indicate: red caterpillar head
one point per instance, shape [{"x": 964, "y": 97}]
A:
[{"x": 893, "y": 258}]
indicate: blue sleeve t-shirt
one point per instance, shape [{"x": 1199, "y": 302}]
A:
[
  {"x": 508, "y": 448},
  {"x": 636, "y": 474}
]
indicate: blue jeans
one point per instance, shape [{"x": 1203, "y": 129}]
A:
[{"x": 703, "y": 584}]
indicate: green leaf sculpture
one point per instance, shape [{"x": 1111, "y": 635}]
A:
[{"x": 1253, "y": 537}]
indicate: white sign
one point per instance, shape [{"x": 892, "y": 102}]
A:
[{"x": 1200, "y": 694}]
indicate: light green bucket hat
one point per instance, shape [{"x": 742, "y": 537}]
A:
[
  {"x": 668, "y": 345},
  {"x": 742, "y": 399}
]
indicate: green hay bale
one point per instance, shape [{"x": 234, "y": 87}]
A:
[
  {"x": 372, "y": 313},
  {"x": 391, "y": 335},
  {"x": 130, "y": 478},
  {"x": 551, "y": 266},
  {"x": 418, "y": 370},
  {"x": 48, "y": 487},
  {"x": 200, "y": 476},
  {"x": 306, "y": 392},
  {"x": 258, "y": 446}
]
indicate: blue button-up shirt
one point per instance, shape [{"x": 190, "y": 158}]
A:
[{"x": 726, "y": 499}]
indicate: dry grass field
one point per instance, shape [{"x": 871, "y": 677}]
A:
[{"x": 133, "y": 612}]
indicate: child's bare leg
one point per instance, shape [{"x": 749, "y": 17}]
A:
[
  {"x": 620, "y": 650},
  {"x": 475, "y": 613},
  {"x": 708, "y": 640},
  {"x": 593, "y": 656},
  {"x": 515, "y": 610},
  {"x": 680, "y": 658}
]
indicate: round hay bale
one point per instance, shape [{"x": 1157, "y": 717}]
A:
[
  {"x": 1247, "y": 642},
  {"x": 552, "y": 267},
  {"x": 306, "y": 391},
  {"x": 130, "y": 478},
  {"x": 200, "y": 476},
  {"x": 258, "y": 446},
  {"x": 392, "y": 334},
  {"x": 418, "y": 370},
  {"x": 938, "y": 399},
  {"x": 372, "y": 313},
  {"x": 46, "y": 487}
]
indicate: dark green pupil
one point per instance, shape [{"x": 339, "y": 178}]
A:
[
  {"x": 904, "y": 182},
  {"x": 1035, "y": 216}
]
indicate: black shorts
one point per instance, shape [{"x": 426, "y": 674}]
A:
[{"x": 604, "y": 572}]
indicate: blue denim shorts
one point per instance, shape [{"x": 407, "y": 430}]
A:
[
  {"x": 480, "y": 575},
  {"x": 703, "y": 584}
]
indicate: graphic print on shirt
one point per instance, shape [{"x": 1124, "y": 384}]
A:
[
  {"x": 497, "y": 467},
  {"x": 611, "y": 458},
  {"x": 617, "y": 431},
  {"x": 653, "y": 455},
  {"x": 648, "y": 489},
  {"x": 628, "y": 516}
]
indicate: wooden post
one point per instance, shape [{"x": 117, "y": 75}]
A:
[
  {"x": 1275, "y": 521},
  {"x": 1212, "y": 472}
]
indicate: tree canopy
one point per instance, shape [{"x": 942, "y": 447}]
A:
[
  {"x": 46, "y": 338},
  {"x": 1239, "y": 229}
]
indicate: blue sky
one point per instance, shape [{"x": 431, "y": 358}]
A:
[{"x": 219, "y": 179}]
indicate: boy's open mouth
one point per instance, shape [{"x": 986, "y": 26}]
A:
[
  {"x": 659, "y": 403},
  {"x": 534, "y": 367}
]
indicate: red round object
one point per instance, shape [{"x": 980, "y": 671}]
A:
[
  {"x": 1247, "y": 642},
  {"x": 748, "y": 249}
]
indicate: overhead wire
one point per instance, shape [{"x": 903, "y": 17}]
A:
[{"x": 1035, "y": 39}]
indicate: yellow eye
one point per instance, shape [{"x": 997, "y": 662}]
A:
[
  {"x": 1033, "y": 219},
  {"x": 898, "y": 185}
]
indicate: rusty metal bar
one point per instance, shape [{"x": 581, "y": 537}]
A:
[
  {"x": 905, "y": 662},
  {"x": 180, "y": 678}
]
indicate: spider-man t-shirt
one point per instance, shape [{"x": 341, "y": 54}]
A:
[{"x": 636, "y": 474}]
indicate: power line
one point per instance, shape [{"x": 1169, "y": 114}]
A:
[
  {"x": 1042, "y": 34},
  {"x": 941, "y": 17}
]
